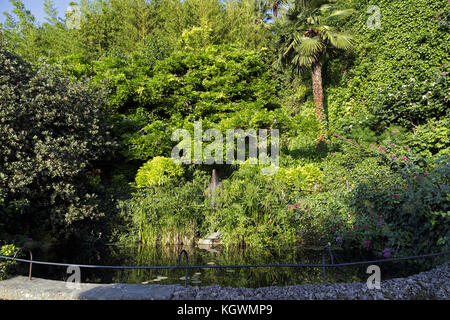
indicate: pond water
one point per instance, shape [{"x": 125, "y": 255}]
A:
[{"x": 136, "y": 255}]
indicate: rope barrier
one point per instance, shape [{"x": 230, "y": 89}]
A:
[
  {"x": 229, "y": 266},
  {"x": 187, "y": 266}
]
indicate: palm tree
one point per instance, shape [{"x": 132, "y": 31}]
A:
[
  {"x": 306, "y": 35},
  {"x": 275, "y": 5}
]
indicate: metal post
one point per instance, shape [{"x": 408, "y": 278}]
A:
[
  {"x": 187, "y": 264},
  {"x": 323, "y": 263},
  {"x": 348, "y": 188},
  {"x": 31, "y": 260}
]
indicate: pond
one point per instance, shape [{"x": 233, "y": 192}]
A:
[{"x": 137, "y": 255}]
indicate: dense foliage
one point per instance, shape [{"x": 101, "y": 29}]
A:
[
  {"x": 7, "y": 250},
  {"x": 52, "y": 131},
  {"x": 135, "y": 71}
]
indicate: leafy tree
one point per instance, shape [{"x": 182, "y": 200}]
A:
[
  {"x": 52, "y": 132},
  {"x": 51, "y": 11},
  {"x": 307, "y": 34},
  {"x": 225, "y": 86}
]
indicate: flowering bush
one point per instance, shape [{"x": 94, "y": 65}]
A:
[
  {"x": 412, "y": 103},
  {"x": 431, "y": 139},
  {"x": 315, "y": 215},
  {"x": 412, "y": 219}
]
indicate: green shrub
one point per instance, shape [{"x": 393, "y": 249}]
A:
[
  {"x": 305, "y": 177},
  {"x": 150, "y": 141},
  {"x": 411, "y": 219},
  {"x": 157, "y": 172},
  {"x": 431, "y": 139},
  {"x": 251, "y": 210},
  {"x": 6, "y": 265},
  {"x": 411, "y": 103},
  {"x": 172, "y": 213},
  {"x": 391, "y": 68},
  {"x": 52, "y": 132}
]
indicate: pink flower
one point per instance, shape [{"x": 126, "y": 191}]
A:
[
  {"x": 380, "y": 148},
  {"x": 406, "y": 147},
  {"x": 339, "y": 224},
  {"x": 333, "y": 229},
  {"x": 297, "y": 204},
  {"x": 387, "y": 252},
  {"x": 405, "y": 158},
  {"x": 366, "y": 244},
  {"x": 394, "y": 157},
  {"x": 291, "y": 206},
  {"x": 307, "y": 209},
  {"x": 425, "y": 173},
  {"x": 379, "y": 223},
  {"x": 396, "y": 195}
]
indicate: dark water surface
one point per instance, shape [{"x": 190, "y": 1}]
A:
[{"x": 136, "y": 255}]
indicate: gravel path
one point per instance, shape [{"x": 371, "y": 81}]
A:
[{"x": 433, "y": 284}]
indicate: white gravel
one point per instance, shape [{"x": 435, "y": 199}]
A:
[{"x": 433, "y": 284}]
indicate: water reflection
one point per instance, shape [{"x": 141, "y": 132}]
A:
[{"x": 136, "y": 255}]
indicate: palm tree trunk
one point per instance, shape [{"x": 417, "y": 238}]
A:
[{"x": 318, "y": 93}]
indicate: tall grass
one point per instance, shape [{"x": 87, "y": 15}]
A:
[{"x": 172, "y": 214}]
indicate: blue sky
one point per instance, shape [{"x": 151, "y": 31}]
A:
[{"x": 36, "y": 7}]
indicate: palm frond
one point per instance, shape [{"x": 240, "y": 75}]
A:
[
  {"x": 338, "y": 15},
  {"x": 303, "y": 61},
  {"x": 296, "y": 39},
  {"x": 341, "y": 41},
  {"x": 309, "y": 46}
]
